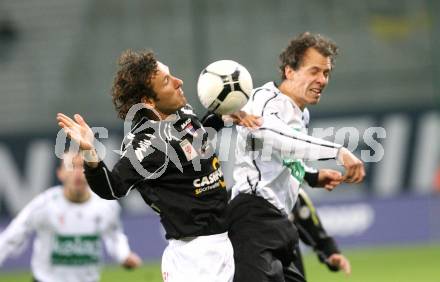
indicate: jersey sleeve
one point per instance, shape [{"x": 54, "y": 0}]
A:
[
  {"x": 140, "y": 161},
  {"x": 294, "y": 144},
  {"x": 311, "y": 175},
  {"x": 311, "y": 231},
  {"x": 277, "y": 135},
  {"x": 115, "y": 241},
  {"x": 13, "y": 239},
  {"x": 214, "y": 121}
]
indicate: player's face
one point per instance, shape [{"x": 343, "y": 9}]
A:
[
  {"x": 71, "y": 175},
  {"x": 309, "y": 80},
  {"x": 169, "y": 93}
]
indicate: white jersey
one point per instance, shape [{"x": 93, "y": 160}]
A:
[
  {"x": 269, "y": 161},
  {"x": 69, "y": 236}
]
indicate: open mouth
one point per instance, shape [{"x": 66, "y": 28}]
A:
[{"x": 316, "y": 90}]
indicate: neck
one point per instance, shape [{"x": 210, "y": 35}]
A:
[
  {"x": 286, "y": 90},
  {"x": 77, "y": 197},
  {"x": 157, "y": 115}
]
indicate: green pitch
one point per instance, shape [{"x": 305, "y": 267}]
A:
[{"x": 387, "y": 264}]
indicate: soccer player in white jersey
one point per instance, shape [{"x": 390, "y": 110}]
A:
[
  {"x": 270, "y": 163},
  {"x": 71, "y": 224}
]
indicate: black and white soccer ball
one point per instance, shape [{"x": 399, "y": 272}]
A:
[{"x": 224, "y": 87}]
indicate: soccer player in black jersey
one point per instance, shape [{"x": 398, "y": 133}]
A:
[{"x": 167, "y": 158}]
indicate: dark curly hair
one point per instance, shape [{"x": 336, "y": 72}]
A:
[
  {"x": 294, "y": 53},
  {"x": 133, "y": 80}
]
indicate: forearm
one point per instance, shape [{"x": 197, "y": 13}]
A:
[
  {"x": 91, "y": 158},
  {"x": 312, "y": 178},
  {"x": 103, "y": 182},
  {"x": 311, "y": 230},
  {"x": 10, "y": 242},
  {"x": 12, "y": 239},
  {"x": 117, "y": 246},
  {"x": 276, "y": 135},
  {"x": 213, "y": 121}
]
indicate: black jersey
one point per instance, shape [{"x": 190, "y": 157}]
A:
[{"x": 173, "y": 166}]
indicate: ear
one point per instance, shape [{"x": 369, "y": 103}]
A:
[
  {"x": 150, "y": 103},
  {"x": 289, "y": 72}
]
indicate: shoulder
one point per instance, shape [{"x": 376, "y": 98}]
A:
[
  {"x": 261, "y": 98},
  {"x": 108, "y": 210},
  {"x": 105, "y": 206},
  {"x": 143, "y": 130},
  {"x": 42, "y": 202},
  {"x": 264, "y": 92},
  {"x": 51, "y": 194},
  {"x": 136, "y": 147},
  {"x": 144, "y": 136},
  {"x": 187, "y": 110}
]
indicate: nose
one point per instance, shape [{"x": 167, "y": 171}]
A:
[
  {"x": 322, "y": 79},
  {"x": 178, "y": 82},
  {"x": 78, "y": 172}
]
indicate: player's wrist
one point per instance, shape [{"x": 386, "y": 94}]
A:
[
  {"x": 342, "y": 151},
  {"x": 90, "y": 157}
]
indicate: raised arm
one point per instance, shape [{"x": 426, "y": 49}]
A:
[
  {"x": 274, "y": 134},
  {"x": 79, "y": 131},
  {"x": 239, "y": 118},
  {"x": 107, "y": 184}
]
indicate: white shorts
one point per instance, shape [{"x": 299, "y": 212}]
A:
[{"x": 199, "y": 259}]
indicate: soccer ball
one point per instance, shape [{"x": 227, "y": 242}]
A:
[{"x": 224, "y": 87}]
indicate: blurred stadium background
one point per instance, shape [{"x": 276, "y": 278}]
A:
[{"x": 60, "y": 56}]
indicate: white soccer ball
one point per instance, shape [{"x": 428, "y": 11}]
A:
[{"x": 224, "y": 87}]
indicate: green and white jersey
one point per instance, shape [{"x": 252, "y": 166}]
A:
[
  {"x": 69, "y": 236},
  {"x": 270, "y": 160}
]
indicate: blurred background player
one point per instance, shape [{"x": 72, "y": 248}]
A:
[
  {"x": 312, "y": 233},
  {"x": 270, "y": 167},
  {"x": 71, "y": 224}
]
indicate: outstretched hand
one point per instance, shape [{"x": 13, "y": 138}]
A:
[
  {"x": 132, "y": 261},
  {"x": 244, "y": 119},
  {"x": 329, "y": 178},
  {"x": 341, "y": 262},
  {"x": 77, "y": 130},
  {"x": 354, "y": 168}
]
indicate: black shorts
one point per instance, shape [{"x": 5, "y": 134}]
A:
[{"x": 264, "y": 241}]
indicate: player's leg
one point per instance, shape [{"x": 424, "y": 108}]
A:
[{"x": 262, "y": 237}]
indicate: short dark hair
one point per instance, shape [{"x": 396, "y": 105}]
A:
[
  {"x": 133, "y": 80},
  {"x": 293, "y": 55}
]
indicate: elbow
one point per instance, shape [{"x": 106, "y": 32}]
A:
[
  {"x": 104, "y": 195},
  {"x": 108, "y": 197}
]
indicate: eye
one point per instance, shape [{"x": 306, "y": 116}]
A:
[{"x": 314, "y": 71}]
